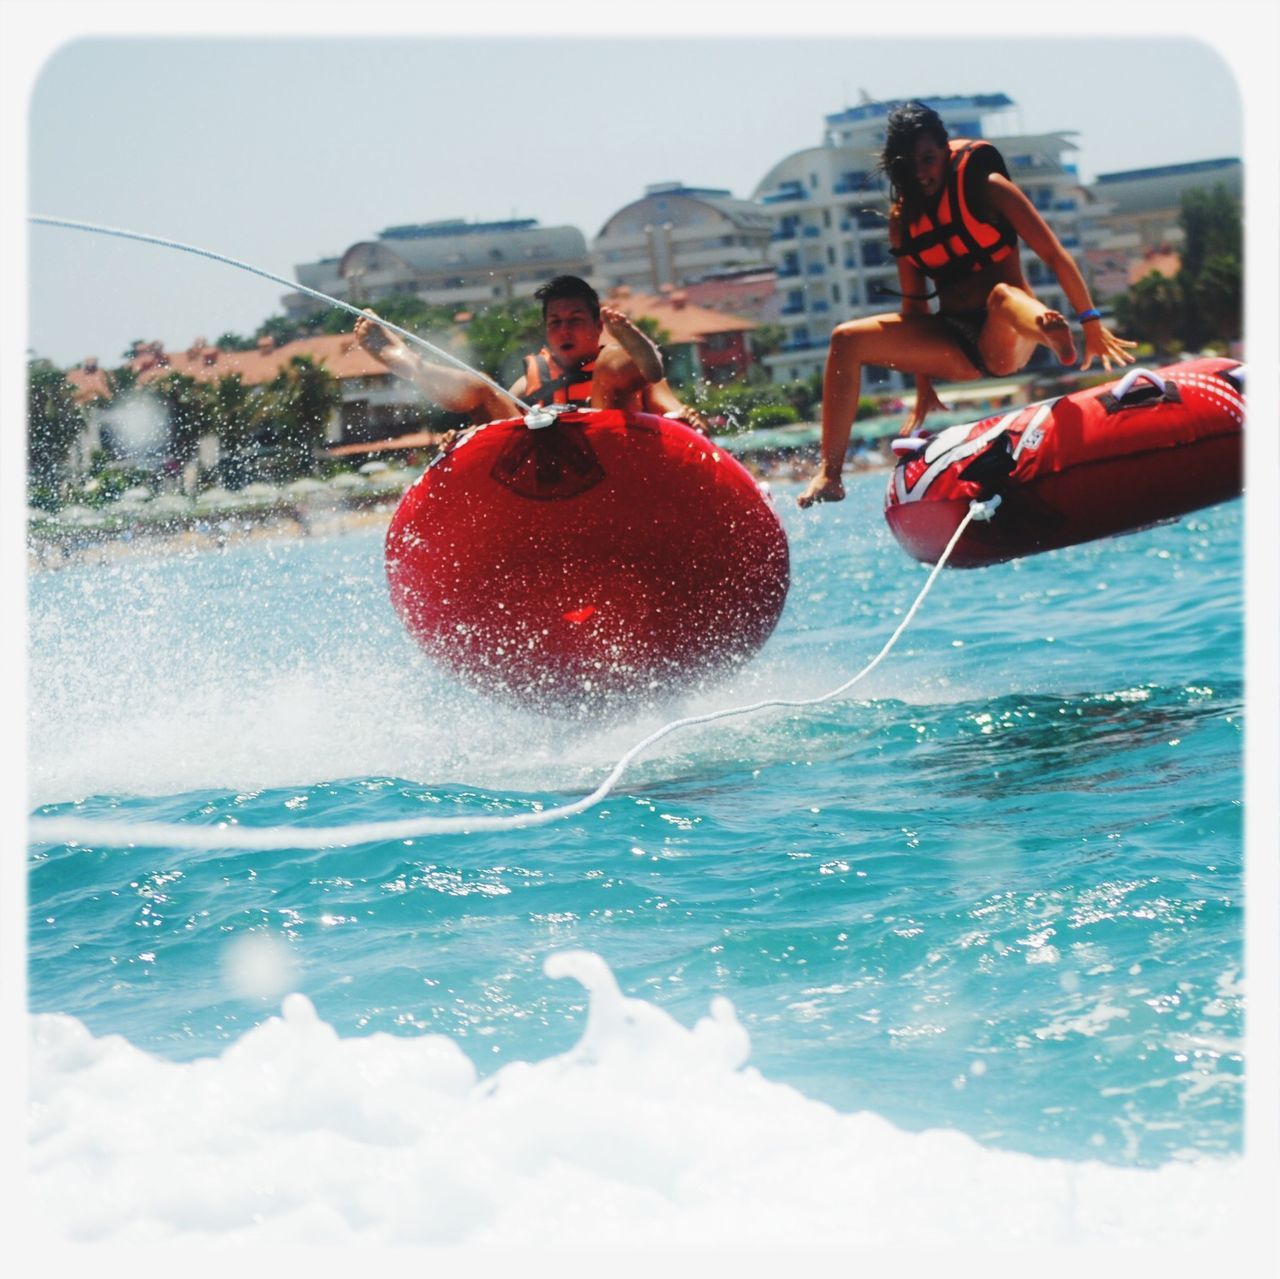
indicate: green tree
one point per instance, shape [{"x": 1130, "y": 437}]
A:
[
  {"x": 235, "y": 342},
  {"x": 189, "y": 405},
  {"x": 122, "y": 380},
  {"x": 767, "y": 338},
  {"x": 279, "y": 329},
  {"x": 764, "y": 416},
  {"x": 1152, "y": 310},
  {"x": 1216, "y": 297},
  {"x": 1210, "y": 277},
  {"x": 405, "y": 309},
  {"x": 54, "y": 422},
  {"x": 500, "y": 336},
  {"x": 236, "y": 413},
  {"x": 295, "y": 412},
  {"x": 1211, "y": 227},
  {"x": 804, "y": 395},
  {"x": 1204, "y": 301}
]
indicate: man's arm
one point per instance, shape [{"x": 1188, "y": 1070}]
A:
[
  {"x": 626, "y": 366},
  {"x": 455, "y": 390}
]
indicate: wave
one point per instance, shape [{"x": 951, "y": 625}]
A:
[{"x": 645, "y": 1130}]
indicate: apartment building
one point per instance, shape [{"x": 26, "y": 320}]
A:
[
  {"x": 1136, "y": 213},
  {"x": 450, "y": 263},
  {"x": 829, "y": 206},
  {"x": 675, "y": 235}
]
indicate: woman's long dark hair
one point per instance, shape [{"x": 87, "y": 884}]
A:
[{"x": 905, "y": 126}]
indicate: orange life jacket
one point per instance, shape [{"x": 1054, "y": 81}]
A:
[
  {"x": 948, "y": 240},
  {"x": 545, "y": 382}
]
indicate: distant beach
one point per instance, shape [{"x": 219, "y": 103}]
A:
[
  {"x": 54, "y": 545},
  {"x": 66, "y": 547}
]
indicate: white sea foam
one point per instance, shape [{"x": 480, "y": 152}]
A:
[{"x": 645, "y": 1135}]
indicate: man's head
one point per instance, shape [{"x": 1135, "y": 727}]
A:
[{"x": 571, "y": 318}]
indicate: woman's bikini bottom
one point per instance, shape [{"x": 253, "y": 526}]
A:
[{"x": 966, "y": 327}]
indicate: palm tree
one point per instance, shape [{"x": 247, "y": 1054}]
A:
[
  {"x": 190, "y": 409},
  {"x": 236, "y": 412},
  {"x": 499, "y": 336},
  {"x": 295, "y": 413},
  {"x": 54, "y": 422}
]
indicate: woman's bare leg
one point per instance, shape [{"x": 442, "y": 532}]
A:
[
  {"x": 909, "y": 343},
  {"x": 1016, "y": 324}
]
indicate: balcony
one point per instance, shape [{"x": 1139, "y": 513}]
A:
[
  {"x": 787, "y": 272},
  {"x": 787, "y": 191},
  {"x": 816, "y": 268},
  {"x": 793, "y": 308},
  {"x": 784, "y": 233},
  {"x": 812, "y": 232}
]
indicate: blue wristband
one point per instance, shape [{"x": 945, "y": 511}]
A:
[{"x": 1083, "y": 317}]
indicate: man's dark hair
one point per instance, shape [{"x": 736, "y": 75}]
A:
[
  {"x": 568, "y": 286},
  {"x": 905, "y": 126}
]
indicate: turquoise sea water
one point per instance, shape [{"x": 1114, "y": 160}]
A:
[{"x": 998, "y": 889}]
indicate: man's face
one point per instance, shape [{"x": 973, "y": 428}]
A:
[{"x": 573, "y": 333}]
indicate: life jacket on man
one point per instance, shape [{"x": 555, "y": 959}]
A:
[
  {"x": 949, "y": 240},
  {"x": 546, "y": 382}
]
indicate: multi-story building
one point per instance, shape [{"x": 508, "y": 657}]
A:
[
  {"x": 452, "y": 263},
  {"x": 1137, "y": 218},
  {"x": 675, "y": 234},
  {"x": 829, "y": 208}
]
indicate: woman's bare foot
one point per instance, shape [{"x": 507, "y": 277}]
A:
[
  {"x": 822, "y": 488},
  {"x": 1055, "y": 333}
]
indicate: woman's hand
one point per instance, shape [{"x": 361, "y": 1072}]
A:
[
  {"x": 926, "y": 401},
  {"x": 1103, "y": 345}
]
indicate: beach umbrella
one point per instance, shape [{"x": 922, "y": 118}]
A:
[
  {"x": 81, "y": 517},
  {"x": 347, "y": 480},
  {"x": 139, "y": 493},
  {"x": 171, "y": 504},
  {"x": 391, "y": 481},
  {"x": 259, "y": 492},
  {"x": 373, "y": 468},
  {"x": 305, "y": 486},
  {"x": 216, "y": 499}
]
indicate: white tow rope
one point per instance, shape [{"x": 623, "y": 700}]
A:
[
  {"x": 68, "y": 224},
  {"x": 226, "y": 835}
]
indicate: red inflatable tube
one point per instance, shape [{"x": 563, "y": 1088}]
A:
[
  {"x": 608, "y": 556},
  {"x": 1147, "y": 447}
]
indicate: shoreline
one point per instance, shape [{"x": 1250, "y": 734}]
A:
[
  {"x": 72, "y": 548},
  {"x": 50, "y": 550}
]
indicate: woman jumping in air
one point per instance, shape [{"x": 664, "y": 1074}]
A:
[{"x": 955, "y": 219}]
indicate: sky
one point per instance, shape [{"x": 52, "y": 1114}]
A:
[{"x": 276, "y": 150}]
